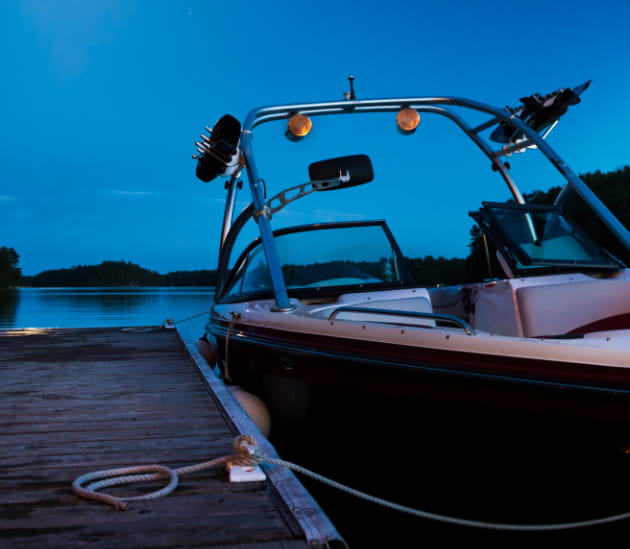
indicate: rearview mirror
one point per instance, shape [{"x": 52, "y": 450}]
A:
[{"x": 342, "y": 172}]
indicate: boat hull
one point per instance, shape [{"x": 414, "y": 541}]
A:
[{"x": 413, "y": 372}]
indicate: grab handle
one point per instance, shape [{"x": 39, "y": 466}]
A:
[{"x": 414, "y": 314}]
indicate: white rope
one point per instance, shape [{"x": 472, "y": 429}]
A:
[
  {"x": 128, "y": 475},
  {"x": 444, "y": 518},
  {"x": 168, "y": 324},
  {"x": 247, "y": 454},
  {"x": 124, "y": 475}
]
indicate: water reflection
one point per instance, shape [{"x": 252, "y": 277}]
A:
[
  {"x": 97, "y": 307},
  {"x": 9, "y": 300}
]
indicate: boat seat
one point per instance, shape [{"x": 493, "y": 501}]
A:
[
  {"x": 555, "y": 309},
  {"x": 417, "y": 300}
]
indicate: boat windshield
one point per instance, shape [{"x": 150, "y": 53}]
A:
[
  {"x": 536, "y": 237},
  {"x": 316, "y": 258}
]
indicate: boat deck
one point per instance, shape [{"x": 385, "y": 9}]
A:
[{"x": 75, "y": 401}]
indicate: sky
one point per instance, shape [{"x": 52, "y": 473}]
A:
[{"x": 102, "y": 101}]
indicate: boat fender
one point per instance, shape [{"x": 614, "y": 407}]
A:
[
  {"x": 289, "y": 399},
  {"x": 254, "y": 407},
  {"x": 206, "y": 350}
]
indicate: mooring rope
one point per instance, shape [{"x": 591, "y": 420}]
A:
[
  {"x": 226, "y": 364},
  {"x": 248, "y": 454},
  {"x": 168, "y": 324}
]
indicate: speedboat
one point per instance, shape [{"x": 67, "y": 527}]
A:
[{"x": 314, "y": 291}]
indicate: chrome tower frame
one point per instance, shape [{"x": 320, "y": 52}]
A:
[{"x": 436, "y": 105}]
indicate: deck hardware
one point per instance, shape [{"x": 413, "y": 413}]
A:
[{"x": 349, "y": 95}]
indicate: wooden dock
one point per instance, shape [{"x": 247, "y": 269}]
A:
[{"x": 75, "y": 401}]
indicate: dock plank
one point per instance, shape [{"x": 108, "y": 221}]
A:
[{"x": 74, "y": 401}]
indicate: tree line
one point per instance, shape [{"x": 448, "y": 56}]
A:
[
  {"x": 117, "y": 273},
  {"x": 10, "y": 272},
  {"x": 613, "y": 188}
]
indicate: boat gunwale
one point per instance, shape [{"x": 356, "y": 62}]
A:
[{"x": 450, "y": 361}]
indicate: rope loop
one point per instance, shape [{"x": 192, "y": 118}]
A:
[
  {"x": 246, "y": 451},
  {"x": 124, "y": 475}
]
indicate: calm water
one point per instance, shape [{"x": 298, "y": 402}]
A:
[{"x": 101, "y": 307}]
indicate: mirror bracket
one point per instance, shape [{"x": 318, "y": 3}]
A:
[
  {"x": 280, "y": 200},
  {"x": 328, "y": 184},
  {"x": 336, "y": 173}
]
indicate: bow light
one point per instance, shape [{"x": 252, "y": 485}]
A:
[
  {"x": 299, "y": 126},
  {"x": 407, "y": 120}
]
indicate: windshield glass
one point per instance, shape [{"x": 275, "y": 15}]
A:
[
  {"x": 542, "y": 236},
  {"x": 355, "y": 255}
]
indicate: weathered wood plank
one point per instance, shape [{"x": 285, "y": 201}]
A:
[
  {"x": 79, "y": 401},
  {"x": 156, "y": 523},
  {"x": 83, "y": 425}
]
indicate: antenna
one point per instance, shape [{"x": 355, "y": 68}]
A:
[{"x": 349, "y": 95}]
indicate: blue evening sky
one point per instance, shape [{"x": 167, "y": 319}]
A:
[{"x": 102, "y": 100}]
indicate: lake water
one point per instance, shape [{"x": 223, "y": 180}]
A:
[{"x": 102, "y": 307}]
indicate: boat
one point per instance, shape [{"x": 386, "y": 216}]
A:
[{"x": 307, "y": 307}]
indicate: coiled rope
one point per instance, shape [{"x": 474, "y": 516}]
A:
[
  {"x": 243, "y": 446},
  {"x": 248, "y": 454}
]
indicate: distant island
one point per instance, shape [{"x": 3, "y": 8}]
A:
[
  {"x": 613, "y": 188},
  {"x": 116, "y": 273}
]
